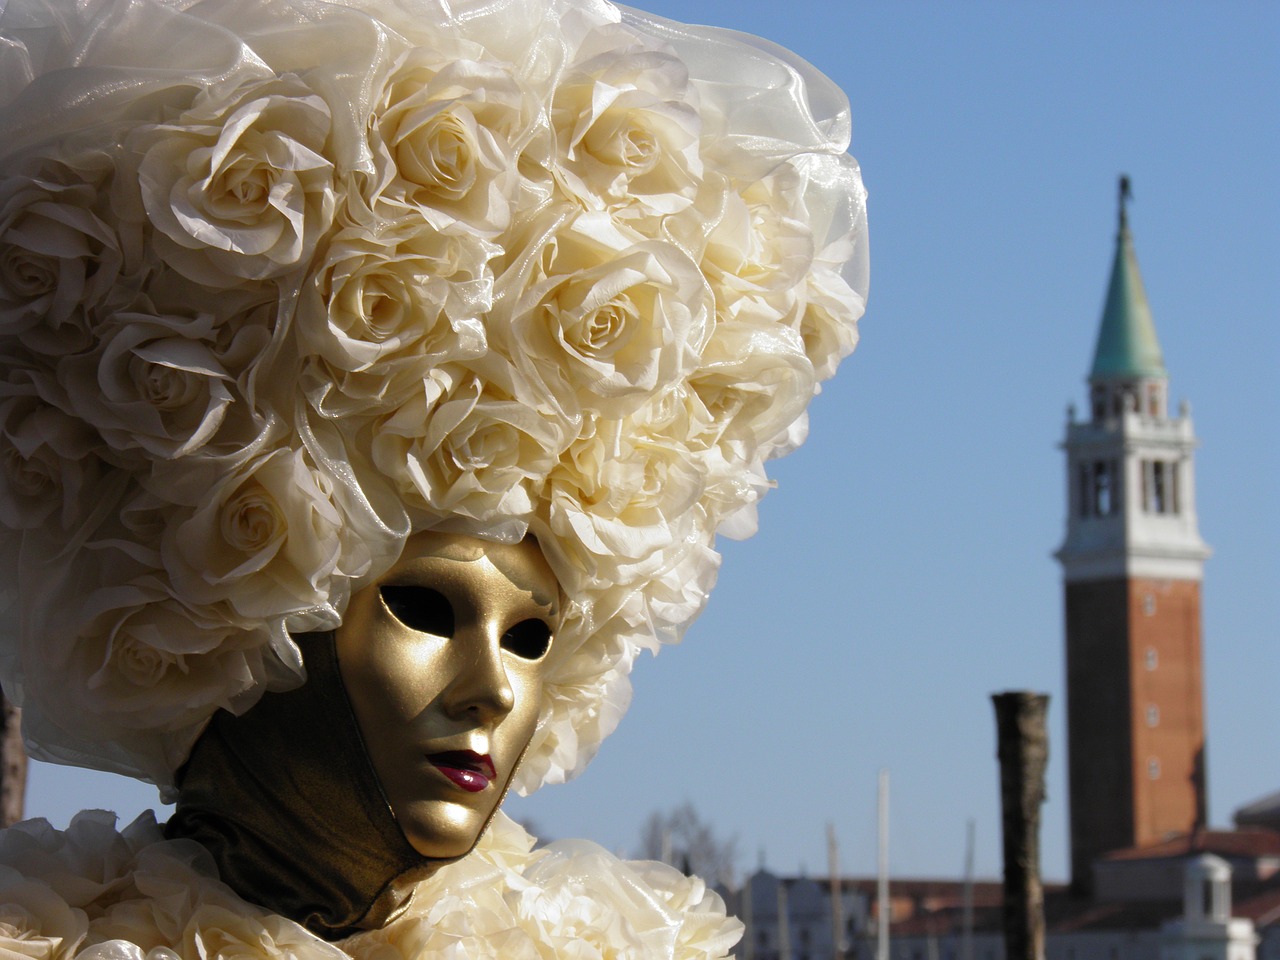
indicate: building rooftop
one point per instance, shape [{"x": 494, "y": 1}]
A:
[{"x": 1232, "y": 844}]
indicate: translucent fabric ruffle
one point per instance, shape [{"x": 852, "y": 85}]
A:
[{"x": 92, "y": 893}]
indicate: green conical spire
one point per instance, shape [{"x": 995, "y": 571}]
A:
[{"x": 1127, "y": 345}]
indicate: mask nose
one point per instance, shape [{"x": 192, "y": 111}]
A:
[{"x": 480, "y": 689}]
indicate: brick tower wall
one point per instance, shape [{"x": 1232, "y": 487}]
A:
[
  {"x": 1134, "y": 684},
  {"x": 1168, "y": 708}
]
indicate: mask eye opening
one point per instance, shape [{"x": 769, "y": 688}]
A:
[
  {"x": 419, "y": 608},
  {"x": 529, "y": 639}
]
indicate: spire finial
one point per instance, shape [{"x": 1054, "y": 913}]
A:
[{"x": 1126, "y": 194}]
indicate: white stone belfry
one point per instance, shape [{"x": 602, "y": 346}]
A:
[
  {"x": 1206, "y": 930},
  {"x": 1130, "y": 476}
]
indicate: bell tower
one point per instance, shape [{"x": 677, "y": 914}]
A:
[{"x": 1132, "y": 562}]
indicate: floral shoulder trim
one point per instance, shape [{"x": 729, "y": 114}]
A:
[{"x": 94, "y": 893}]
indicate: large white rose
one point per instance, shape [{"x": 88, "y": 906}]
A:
[
  {"x": 268, "y": 539},
  {"x": 621, "y": 507},
  {"x": 599, "y": 320},
  {"x": 156, "y": 383},
  {"x": 829, "y": 323},
  {"x": 589, "y": 904},
  {"x": 387, "y": 306},
  {"x": 141, "y": 660},
  {"x": 242, "y": 932},
  {"x": 755, "y": 381},
  {"x": 49, "y": 469},
  {"x": 471, "y": 460},
  {"x": 760, "y": 251},
  {"x": 239, "y": 190},
  {"x": 168, "y": 881},
  {"x": 35, "y": 923},
  {"x": 626, "y": 131},
  {"x": 451, "y": 130},
  {"x": 58, "y": 259},
  {"x": 705, "y": 928},
  {"x": 83, "y": 864}
]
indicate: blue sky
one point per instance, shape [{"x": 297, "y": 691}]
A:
[{"x": 903, "y": 571}]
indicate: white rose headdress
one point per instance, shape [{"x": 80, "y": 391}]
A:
[{"x": 283, "y": 281}]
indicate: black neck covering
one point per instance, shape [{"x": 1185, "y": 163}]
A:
[{"x": 287, "y": 801}]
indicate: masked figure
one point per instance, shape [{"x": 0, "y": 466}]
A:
[{"x": 376, "y": 379}]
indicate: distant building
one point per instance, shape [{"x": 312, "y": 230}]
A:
[
  {"x": 1212, "y": 895},
  {"x": 790, "y": 918},
  {"x": 1148, "y": 880},
  {"x": 1264, "y": 812},
  {"x": 1132, "y": 563}
]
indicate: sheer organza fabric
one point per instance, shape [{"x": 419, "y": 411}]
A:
[
  {"x": 283, "y": 282},
  {"x": 93, "y": 893}
]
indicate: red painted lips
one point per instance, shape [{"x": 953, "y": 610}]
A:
[{"x": 469, "y": 770}]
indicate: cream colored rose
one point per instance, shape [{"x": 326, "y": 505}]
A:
[
  {"x": 148, "y": 670},
  {"x": 755, "y": 381},
  {"x": 626, "y": 131},
  {"x": 591, "y": 904},
  {"x": 58, "y": 260},
  {"x": 84, "y": 864},
  {"x": 168, "y": 881},
  {"x": 705, "y": 928},
  {"x": 599, "y": 321},
  {"x": 217, "y": 932},
  {"x": 268, "y": 539},
  {"x": 759, "y": 253},
  {"x": 35, "y": 923},
  {"x": 464, "y": 909},
  {"x": 671, "y": 600},
  {"x": 451, "y": 130},
  {"x": 620, "y": 507},
  {"x": 239, "y": 190},
  {"x": 142, "y": 660},
  {"x": 829, "y": 323},
  {"x": 471, "y": 460},
  {"x": 471, "y": 921},
  {"x": 387, "y": 306},
  {"x": 236, "y": 346},
  {"x": 48, "y": 467},
  {"x": 155, "y": 384}
]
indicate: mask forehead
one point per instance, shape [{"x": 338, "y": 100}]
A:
[{"x": 499, "y": 567}]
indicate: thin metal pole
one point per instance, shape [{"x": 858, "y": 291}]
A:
[
  {"x": 966, "y": 941},
  {"x": 784, "y": 925},
  {"x": 837, "y": 898},
  {"x": 884, "y": 910}
]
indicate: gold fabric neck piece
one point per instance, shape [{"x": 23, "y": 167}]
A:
[{"x": 286, "y": 801}]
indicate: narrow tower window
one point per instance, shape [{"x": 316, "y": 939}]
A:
[
  {"x": 1159, "y": 487},
  {"x": 1153, "y": 769},
  {"x": 1151, "y": 659},
  {"x": 1101, "y": 489},
  {"x": 1153, "y": 715}
]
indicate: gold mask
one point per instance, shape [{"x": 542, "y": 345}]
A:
[{"x": 442, "y": 660}]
